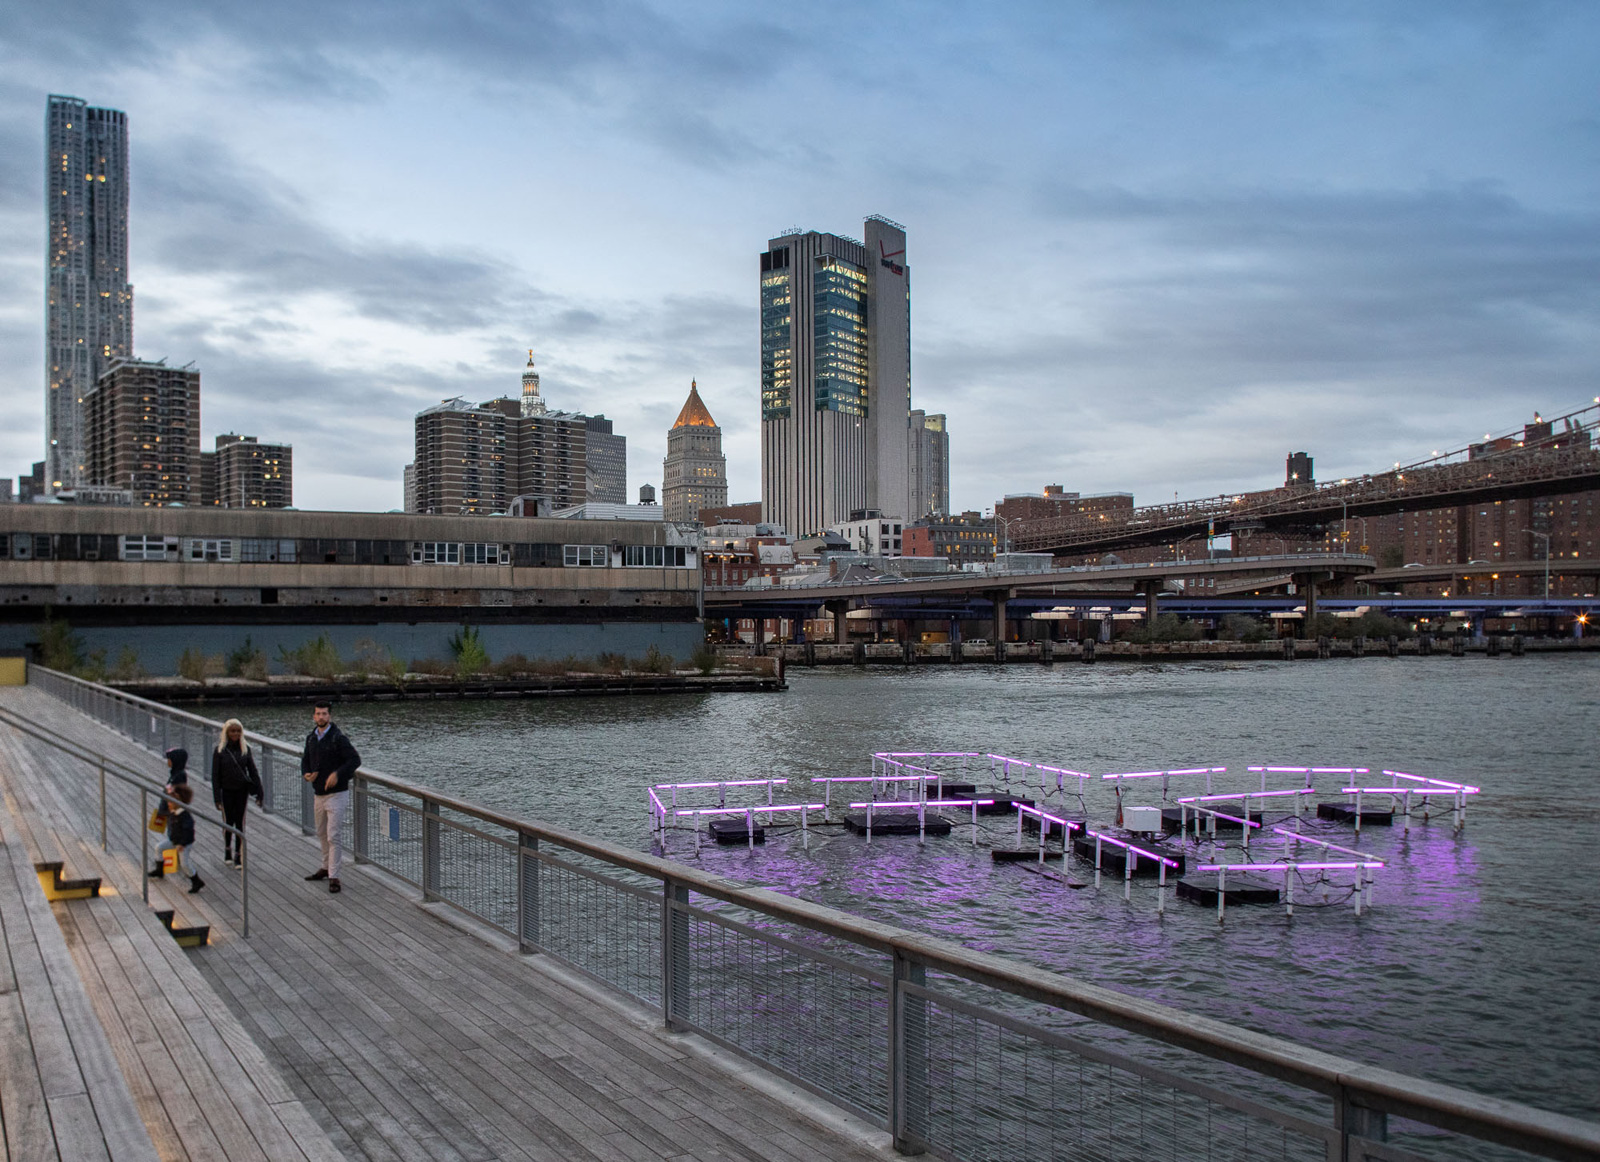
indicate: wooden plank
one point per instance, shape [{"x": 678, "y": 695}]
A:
[
  {"x": 22, "y": 1103},
  {"x": 394, "y": 1028}
]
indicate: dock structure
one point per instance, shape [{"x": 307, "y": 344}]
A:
[
  {"x": 363, "y": 1025},
  {"x": 670, "y": 1013}
]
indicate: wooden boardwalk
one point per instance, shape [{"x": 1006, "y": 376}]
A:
[{"x": 402, "y": 1036}]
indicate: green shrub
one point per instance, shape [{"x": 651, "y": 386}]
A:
[
  {"x": 197, "y": 667},
  {"x": 467, "y": 650},
  {"x": 94, "y": 666},
  {"x": 704, "y": 659},
  {"x": 317, "y": 658},
  {"x": 1167, "y": 627},
  {"x": 609, "y": 663},
  {"x": 1241, "y": 627},
  {"x": 127, "y": 667},
  {"x": 247, "y": 661},
  {"x": 512, "y": 666},
  {"x": 653, "y": 662},
  {"x": 59, "y": 648},
  {"x": 372, "y": 658},
  {"x": 433, "y": 667}
]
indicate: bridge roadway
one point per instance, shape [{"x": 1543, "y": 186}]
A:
[
  {"x": 403, "y": 1036},
  {"x": 1485, "y": 570},
  {"x": 958, "y": 595},
  {"x": 1522, "y": 473}
]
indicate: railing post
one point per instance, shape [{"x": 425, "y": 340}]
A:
[
  {"x": 430, "y": 850},
  {"x": 358, "y": 819},
  {"x": 1355, "y": 1121},
  {"x": 144, "y": 844},
  {"x": 527, "y": 892},
  {"x": 908, "y": 1055},
  {"x": 266, "y": 780},
  {"x": 103, "y": 804},
  {"x": 674, "y": 955}
]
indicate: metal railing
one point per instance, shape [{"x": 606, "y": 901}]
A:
[
  {"x": 149, "y": 791},
  {"x": 960, "y": 1053}
]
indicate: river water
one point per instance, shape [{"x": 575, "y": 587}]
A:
[{"x": 1478, "y": 964}]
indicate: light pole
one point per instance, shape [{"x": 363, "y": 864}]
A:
[
  {"x": 1546, "y": 537},
  {"x": 1005, "y": 523}
]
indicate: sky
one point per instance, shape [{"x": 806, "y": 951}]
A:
[{"x": 1154, "y": 246}]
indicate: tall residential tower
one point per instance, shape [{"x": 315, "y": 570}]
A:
[
  {"x": 88, "y": 299},
  {"x": 835, "y": 377}
]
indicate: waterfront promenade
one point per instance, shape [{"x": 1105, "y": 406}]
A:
[{"x": 362, "y": 1025}]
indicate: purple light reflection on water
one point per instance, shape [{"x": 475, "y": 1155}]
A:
[{"x": 1475, "y": 965}]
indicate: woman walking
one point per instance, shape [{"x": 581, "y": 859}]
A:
[{"x": 233, "y": 782}]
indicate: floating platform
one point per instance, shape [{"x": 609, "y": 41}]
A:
[
  {"x": 1171, "y": 818},
  {"x": 897, "y": 823},
  {"x": 1346, "y": 813},
  {"x": 1021, "y": 855},
  {"x": 1112, "y": 858},
  {"x": 1003, "y": 804},
  {"x": 1030, "y": 826},
  {"x": 736, "y": 831},
  {"x": 953, "y": 790},
  {"x": 1242, "y": 889}
]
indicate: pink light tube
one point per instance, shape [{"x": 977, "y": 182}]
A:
[
  {"x": 1440, "y": 783},
  {"x": 932, "y": 803},
  {"x": 750, "y": 810},
  {"x": 1424, "y": 792},
  {"x": 1161, "y": 774},
  {"x": 1220, "y": 815},
  {"x": 725, "y": 783},
  {"x": 1245, "y": 795},
  {"x": 1310, "y": 770},
  {"x": 1269, "y": 867},
  {"x": 1114, "y": 841},
  {"x": 875, "y": 779},
  {"x": 1069, "y": 824},
  {"x": 1322, "y": 843},
  {"x": 927, "y": 754}
]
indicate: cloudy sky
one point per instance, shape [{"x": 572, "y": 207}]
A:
[{"x": 1155, "y": 245}]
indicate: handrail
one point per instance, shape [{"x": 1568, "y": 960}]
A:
[
  {"x": 146, "y": 787},
  {"x": 1350, "y": 1082}
]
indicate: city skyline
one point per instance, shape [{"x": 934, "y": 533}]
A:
[{"x": 1221, "y": 236}]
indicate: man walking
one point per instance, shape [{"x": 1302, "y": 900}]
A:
[{"x": 327, "y": 763}]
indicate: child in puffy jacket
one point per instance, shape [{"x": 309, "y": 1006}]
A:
[{"x": 180, "y": 837}]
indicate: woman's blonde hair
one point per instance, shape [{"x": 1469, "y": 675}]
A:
[{"x": 222, "y": 739}]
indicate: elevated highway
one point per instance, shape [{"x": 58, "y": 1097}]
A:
[{"x": 966, "y": 595}]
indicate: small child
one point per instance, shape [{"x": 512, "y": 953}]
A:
[{"x": 180, "y": 836}]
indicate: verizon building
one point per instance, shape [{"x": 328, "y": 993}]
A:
[{"x": 835, "y": 377}]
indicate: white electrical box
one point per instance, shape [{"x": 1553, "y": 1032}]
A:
[{"x": 1145, "y": 819}]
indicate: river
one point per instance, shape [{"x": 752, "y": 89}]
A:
[{"x": 1478, "y": 964}]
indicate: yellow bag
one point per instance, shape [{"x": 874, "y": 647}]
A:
[
  {"x": 169, "y": 861},
  {"x": 158, "y": 818}
]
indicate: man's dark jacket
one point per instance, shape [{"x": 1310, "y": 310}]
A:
[{"x": 331, "y": 758}]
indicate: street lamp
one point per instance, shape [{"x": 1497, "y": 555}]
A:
[
  {"x": 1546, "y": 537},
  {"x": 1005, "y": 523}
]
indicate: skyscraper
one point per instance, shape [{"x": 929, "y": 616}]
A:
[
  {"x": 835, "y": 376},
  {"x": 606, "y": 456},
  {"x": 930, "y": 466},
  {"x": 88, "y": 299},
  {"x": 695, "y": 473}
]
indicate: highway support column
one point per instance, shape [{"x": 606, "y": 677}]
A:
[{"x": 841, "y": 628}]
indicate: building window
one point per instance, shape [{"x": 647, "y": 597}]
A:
[
  {"x": 656, "y": 556},
  {"x": 585, "y": 556},
  {"x": 264, "y": 549},
  {"x": 147, "y": 548},
  {"x": 205, "y": 549},
  {"x": 435, "y": 553},
  {"x": 485, "y": 554}
]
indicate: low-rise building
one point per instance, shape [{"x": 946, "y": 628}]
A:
[
  {"x": 962, "y": 540},
  {"x": 872, "y": 533}
]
